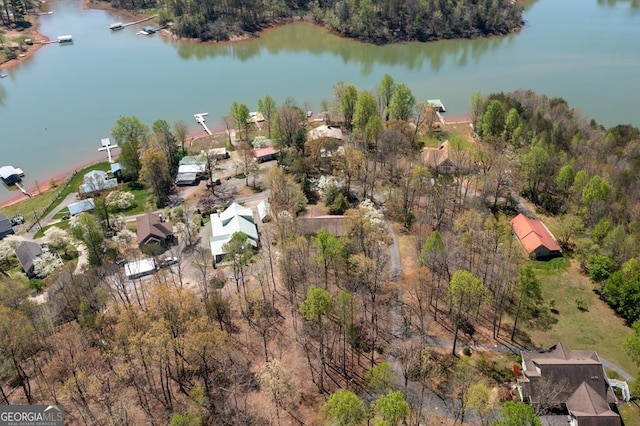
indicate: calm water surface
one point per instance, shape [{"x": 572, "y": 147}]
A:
[{"x": 55, "y": 108}]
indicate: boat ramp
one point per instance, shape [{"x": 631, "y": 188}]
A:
[{"x": 200, "y": 120}]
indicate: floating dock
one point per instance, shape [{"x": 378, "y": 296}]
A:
[
  {"x": 65, "y": 39},
  {"x": 3, "y": 74},
  {"x": 117, "y": 26},
  {"x": 200, "y": 120},
  {"x": 437, "y": 105},
  {"x": 10, "y": 174}
]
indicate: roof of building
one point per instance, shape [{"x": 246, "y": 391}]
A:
[
  {"x": 95, "y": 181},
  {"x": 5, "y": 223},
  {"x": 264, "y": 209},
  {"x": 115, "y": 167},
  {"x": 81, "y": 206},
  {"x": 532, "y": 233},
  {"x": 558, "y": 354},
  {"x": 191, "y": 168},
  {"x": 325, "y": 131},
  {"x": 265, "y": 152},
  {"x": 8, "y": 171},
  {"x": 199, "y": 160},
  {"x": 312, "y": 225},
  {"x": 585, "y": 401},
  {"x": 188, "y": 177},
  {"x": 140, "y": 267},
  {"x": 436, "y": 157},
  {"x": 27, "y": 252},
  {"x": 149, "y": 225},
  {"x": 235, "y": 218}
]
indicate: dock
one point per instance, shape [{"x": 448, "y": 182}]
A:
[
  {"x": 11, "y": 175},
  {"x": 200, "y": 120},
  {"x": 437, "y": 105},
  {"x": 65, "y": 39},
  {"x": 151, "y": 30},
  {"x": 24, "y": 191},
  {"x": 119, "y": 25}
]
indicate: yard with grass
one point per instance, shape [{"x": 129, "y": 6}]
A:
[{"x": 585, "y": 322}]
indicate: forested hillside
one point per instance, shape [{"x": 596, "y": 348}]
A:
[{"x": 380, "y": 21}]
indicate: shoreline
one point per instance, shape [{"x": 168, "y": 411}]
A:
[{"x": 31, "y": 49}]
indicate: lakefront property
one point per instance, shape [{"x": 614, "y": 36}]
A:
[{"x": 393, "y": 281}]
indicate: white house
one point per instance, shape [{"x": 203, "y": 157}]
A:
[{"x": 235, "y": 218}]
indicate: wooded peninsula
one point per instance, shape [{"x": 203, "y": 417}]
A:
[{"x": 377, "y": 21}]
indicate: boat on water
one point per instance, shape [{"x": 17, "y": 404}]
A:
[
  {"x": 11, "y": 175},
  {"x": 147, "y": 31},
  {"x": 3, "y": 74}
]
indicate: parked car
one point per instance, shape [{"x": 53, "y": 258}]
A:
[
  {"x": 168, "y": 260},
  {"x": 213, "y": 182},
  {"x": 17, "y": 220},
  {"x": 120, "y": 262}
]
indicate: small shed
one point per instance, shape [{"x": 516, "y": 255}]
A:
[
  {"x": 96, "y": 181},
  {"x": 139, "y": 268},
  {"x": 81, "y": 206},
  {"x": 268, "y": 153},
  {"x": 116, "y": 170},
  {"x": 264, "y": 211},
  {"x": 186, "y": 178},
  {"x": 218, "y": 153}
]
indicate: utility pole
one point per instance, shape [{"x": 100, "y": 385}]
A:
[{"x": 35, "y": 215}]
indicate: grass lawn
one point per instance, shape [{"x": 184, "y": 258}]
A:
[
  {"x": 630, "y": 413},
  {"x": 597, "y": 328},
  {"x": 44, "y": 201},
  {"x": 62, "y": 225}
]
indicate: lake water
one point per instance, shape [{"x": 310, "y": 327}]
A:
[{"x": 55, "y": 108}]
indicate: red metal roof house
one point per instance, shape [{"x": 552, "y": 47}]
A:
[{"x": 534, "y": 236}]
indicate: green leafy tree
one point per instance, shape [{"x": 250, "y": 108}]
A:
[
  {"x": 381, "y": 378},
  {"x": 132, "y": 136},
  {"x": 493, "y": 119},
  {"x": 187, "y": 419},
  {"x": 392, "y": 408},
  {"x": 384, "y": 92},
  {"x": 155, "y": 174},
  {"x": 537, "y": 167},
  {"x": 511, "y": 125},
  {"x": 402, "y": 103},
  {"x": 365, "y": 109},
  {"x": 317, "y": 305},
  {"x": 88, "y": 230},
  {"x": 168, "y": 143},
  {"x": 479, "y": 398},
  {"x": 517, "y": 414},
  {"x": 240, "y": 114},
  {"x": 344, "y": 408},
  {"x": 268, "y": 108},
  {"x": 466, "y": 291},
  {"x": 529, "y": 296},
  {"x": 329, "y": 250},
  {"x": 348, "y": 100}
]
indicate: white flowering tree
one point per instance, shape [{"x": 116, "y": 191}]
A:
[
  {"x": 119, "y": 200},
  {"x": 118, "y": 223},
  {"x": 57, "y": 238},
  {"x": 123, "y": 239},
  {"x": 46, "y": 263}
]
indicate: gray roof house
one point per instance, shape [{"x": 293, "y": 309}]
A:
[
  {"x": 27, "y": 252},
  {"x": 81, "y": 206},
  {"x": 5, "y": 227},
  {"x": 96, "y": 181},
  {"x": 577, "y": 380}
]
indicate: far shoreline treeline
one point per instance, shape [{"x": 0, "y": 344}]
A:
[{"x": 374, "y": 21}]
